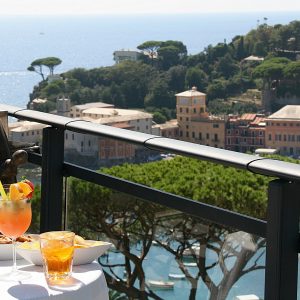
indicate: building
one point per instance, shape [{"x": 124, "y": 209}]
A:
[
  {"x": 135, "y": 119},
  {"x": 63, "y": 106},
  {"x": 25, "y": 131},
  {"x": 283, "y": 130},
  {"x": 195, "y": 124},
  {"x": 121, "y": 55},
  {"x": 90, "y": 149},
  {"x": 76, "y": 110},
  {"x": 168, "y": 129},
  {"x": 245, "y": 133}
]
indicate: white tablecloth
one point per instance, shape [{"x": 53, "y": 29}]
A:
[{"x": 87, "y": 283}]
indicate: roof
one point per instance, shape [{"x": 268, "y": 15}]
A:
[
  {"x": 25, "y": 126},
  {"x": 288, "y": 112},
  {"x": 118, "y": 118},
  {"x": 113, "y": 112},
  {"x": 248, "y": 117},
  {"x": 191, "y": 93},
  {"x": 39, "y": 100},
  {"x": 169, "y": 124},
  {"x": 253, "y": 58},
  {"x": 92, "y": 105}
]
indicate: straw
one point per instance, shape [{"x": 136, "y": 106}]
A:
[{"x": 2, "y": 192}]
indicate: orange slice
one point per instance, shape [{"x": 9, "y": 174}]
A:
[{"x": 19, "y": 191}]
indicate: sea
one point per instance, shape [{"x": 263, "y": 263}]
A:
[{"x": 89, "y": 42}]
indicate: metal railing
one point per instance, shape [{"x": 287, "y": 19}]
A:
[{"x": 281, "y": 229}]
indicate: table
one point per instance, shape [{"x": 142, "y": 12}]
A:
[{"x": 87, "y": 282}]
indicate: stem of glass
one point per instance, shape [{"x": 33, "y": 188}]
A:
[{"x": 14, "y": 267}]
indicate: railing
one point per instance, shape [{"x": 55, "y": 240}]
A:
[{"x": 281, "y": 229}]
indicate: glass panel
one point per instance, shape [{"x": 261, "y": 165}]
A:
[{"x": 161, "y": 253}]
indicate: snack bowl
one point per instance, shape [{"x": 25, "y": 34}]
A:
[
  {"x": 6, "y": 252},
  {"x": 82, "y": 255}
]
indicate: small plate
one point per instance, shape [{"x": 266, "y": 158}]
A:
[{"x": 81, "y": 255}]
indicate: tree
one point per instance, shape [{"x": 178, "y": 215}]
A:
[
  {"x": 131, "y": 225},
  {"x": 150, "y": 47},
  {"x": 271, "y": 69},
  {"x": 196, "y": 77},
  {"x": 49, "y": 62},
  {"x": 292, "y": 70},
  {"x": 171, "y": 53}
]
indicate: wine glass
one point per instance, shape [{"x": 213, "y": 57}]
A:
[{"x": 15, "y": 218}]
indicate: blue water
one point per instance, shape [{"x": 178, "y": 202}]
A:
[{"x": 89, "y": 41}]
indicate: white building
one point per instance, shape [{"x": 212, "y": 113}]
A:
[
  {"x": 121, "y": 55},
  {"x": 135, "y": 119},
  {"x": 25, "y": 131}
]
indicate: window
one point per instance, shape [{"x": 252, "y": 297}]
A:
[
  {"x": 180, "y": 118},
  {"x": 180, "y": 133},
  {"x": 147, "y": 127},
  {"x": 228, "y": 141},
  {"x": 138, "y": 128},
  {"x": 73, "y": 136},
  {"x": 187, "y": 110},
  {"x": 22, "y": 134},
  {"x": 187, "y": 134},
  {"x": 201, "y": 110},
  {"x": 32, "y": 132},
  {"x": 193, "y": 134},
  {"x": 195, "y": 110},
  {"x": 200, "y": 135},
  {"x": 89, "y": 143},
  {"x": 284, "y": 137},
  {"x": 187, "y": 126},
  {"x": 216, "y": 136},
  {"x": 187, "y": 119},
  {"x": 207, "y": 136},
  {"x": 215, "y": 125},
  {"x": 180, "y": 109}
]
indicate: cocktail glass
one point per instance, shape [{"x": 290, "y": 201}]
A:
[
  {"x": 15, "y": 219},
  {"x": 57, "y": 248}
]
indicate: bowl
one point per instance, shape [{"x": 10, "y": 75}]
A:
[
  {"x": 86, "y": 255},
  {"x": 6, "y": 252}
]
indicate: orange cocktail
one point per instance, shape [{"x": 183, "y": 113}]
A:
[
  {"x": 15, "y": 217},
  {"x": 57, "y": 249}
]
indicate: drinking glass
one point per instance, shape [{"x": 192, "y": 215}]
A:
[
  {"x": 57, "y": 248},
  {"x": 15, "y": 218}
]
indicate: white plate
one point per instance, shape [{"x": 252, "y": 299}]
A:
[
  {"x": 81, "y": 255},
  {"x": 6, "y": 252}
]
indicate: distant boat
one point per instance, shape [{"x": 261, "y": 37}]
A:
[
  {"x": 195, "y": 250},
  {"x": 191, "y": 264},
  {"x": 176, "y": 276},
  {"x": 159, "y": 284}
]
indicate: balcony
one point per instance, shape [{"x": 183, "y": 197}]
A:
[{"x": 158, "y": 234}]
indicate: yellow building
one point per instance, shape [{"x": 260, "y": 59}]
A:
[
  {"x": 195, "y": 124},
  {"x": 283, "y": 130}
]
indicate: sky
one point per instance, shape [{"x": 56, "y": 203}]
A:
[{"x": 62, "y": 7}]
